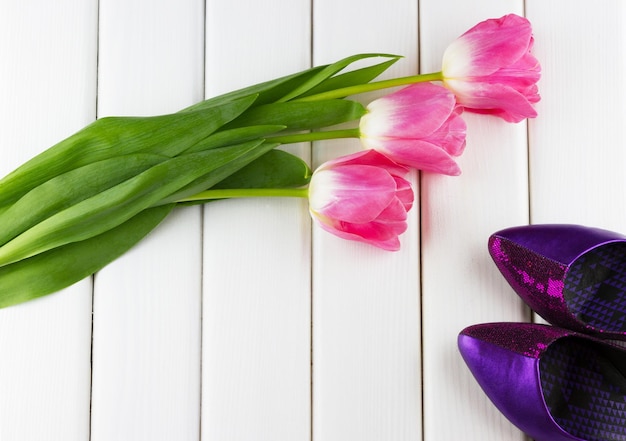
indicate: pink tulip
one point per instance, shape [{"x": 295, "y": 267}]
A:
[
  {"x": 362, "y": 197},
  {"x": 491, "y": 70},
  {"x": 419, "y": 126}
]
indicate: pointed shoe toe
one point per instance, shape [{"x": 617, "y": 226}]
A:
[
  {"x": 572, "y": 276},
  {"x": 553, "y": 384}
]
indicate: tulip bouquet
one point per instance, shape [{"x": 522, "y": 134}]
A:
[{"x": 82, "y": 203}]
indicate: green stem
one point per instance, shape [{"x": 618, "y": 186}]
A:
[
  {"x": 229, "y": 193},
  {"x": 316, "y": 136},
  {"x": 370, "y": 87}
]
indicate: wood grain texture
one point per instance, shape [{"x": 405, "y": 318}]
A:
[
  {"x": 256, "y": 307},
  {"x": 147, "y": 304},
  {"x": 366, "y": 302},
  {"x": 460, "y": 284},
  {"x": 576, "y": 149},
  {"x": 47, "y": 85}
]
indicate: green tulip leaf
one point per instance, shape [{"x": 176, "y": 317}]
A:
[
  {"x": 301, "y": 115},
  {"x": 224, "y": 138},
  {"x": 108, "y": 137},
  {"x": 61, "y": 267},
  {"x": 327, "y": 72},
  {"x": 112, "y": 207},
  {"x": 352, "y": 78},
  {"x": 65, "y": 190},
  {"x": 267, "y": 92},
  {"x": 217, "y": 174},
  {"x": 287, "y": 87},
  {"x": 275, "y": 169}
]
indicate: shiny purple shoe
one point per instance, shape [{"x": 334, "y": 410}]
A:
[
  {"x": 572, "y": 276},
  {"x": 553, "y": 384}
]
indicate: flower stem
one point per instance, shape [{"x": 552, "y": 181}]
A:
[
  {"x": 370, "y": 87},
  {"x": 230, "y": 193},
  {"x": 316, "y": 136}
]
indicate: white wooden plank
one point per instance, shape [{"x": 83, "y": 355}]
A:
[
  {"x": 146, "y": 348},
  {"x": 47, "y": 84},
  {"x": 577, "y": 146},
  {"x": 256, "y": 306},
  {"x": 151, "y": 56},
  {"x": 460, "y": 284},
  {"x": 366, "y": 305}
]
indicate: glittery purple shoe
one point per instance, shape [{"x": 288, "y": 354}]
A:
[
  {"x": 553, "y": 384},
  {"x": 572, "y": 276}
]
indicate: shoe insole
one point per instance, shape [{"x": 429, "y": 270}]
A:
[
  {"x": 595, "y": 287},
  {"x": 584, "y": 387}
]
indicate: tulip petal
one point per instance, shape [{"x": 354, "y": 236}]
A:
[
  {"x": 360, "y": 197},
  {"x": 368, "y": 157},
  {"x": 404, "y": 193},
  {"x": 421, "y": 155},
  {"x": 394, "y": 212},
  {"x": 488, "y": 46},
  {"x": 497, "y": 99},
  {"x": 409, "y": 126},
  {"x": 373, "y": 233},
  {"x": 355, "y": 193},
  {"x": 413, "y": 112},
  {"x": 490, "y": 69},
  {"x": 521, "y": 76},
  {"x": 452, "y": 135}
]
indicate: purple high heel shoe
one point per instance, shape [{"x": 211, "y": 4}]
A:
[
  {"x": 553, "y": 384},
  {"x": 572, "y": 276}
]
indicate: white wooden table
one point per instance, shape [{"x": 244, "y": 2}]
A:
[{"x": 241, "y": 321}]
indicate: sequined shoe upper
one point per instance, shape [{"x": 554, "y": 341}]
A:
[{"x": 572, "y": 276}]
